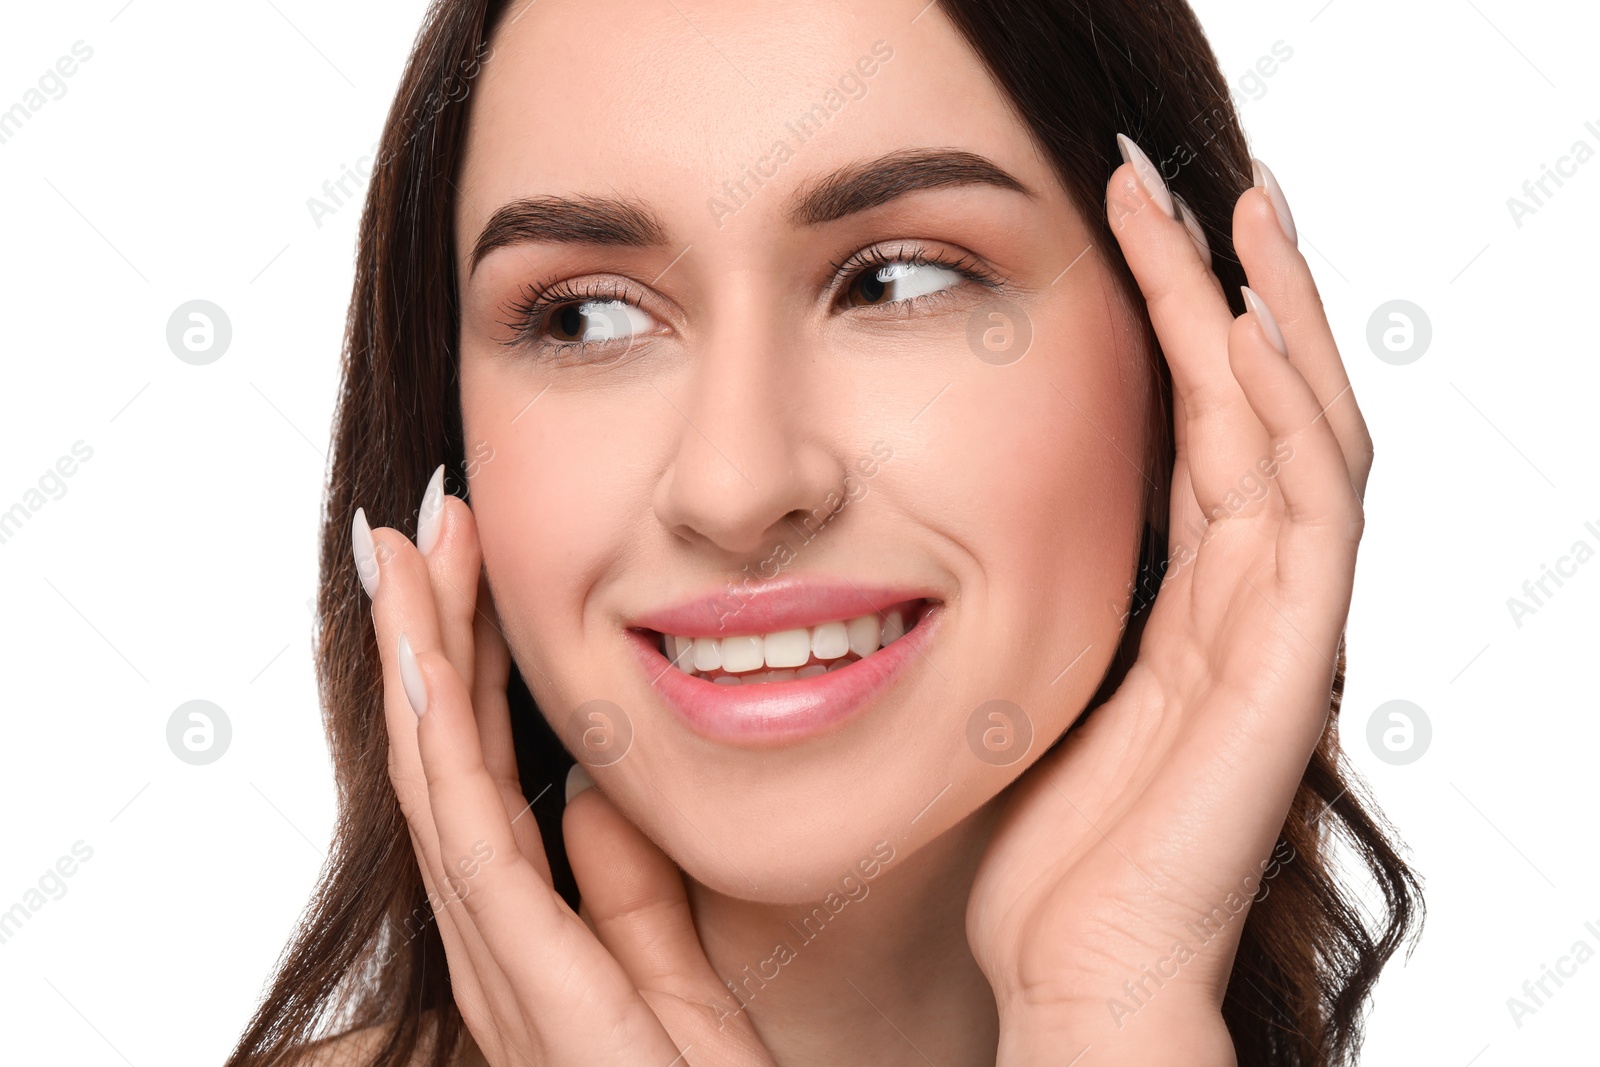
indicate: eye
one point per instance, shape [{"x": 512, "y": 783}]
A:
[
  {"x": 563, "y": 320},
  {"x": 586, "y": 323},
  {"x": 597, "y": 320},
  {"x": 879, "y": 277}
]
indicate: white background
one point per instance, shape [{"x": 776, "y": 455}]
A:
[{"x": 179, "y": 562}]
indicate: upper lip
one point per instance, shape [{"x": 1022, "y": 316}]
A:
[{"x": 764, "y": 607}]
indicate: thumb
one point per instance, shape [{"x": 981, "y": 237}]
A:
[{"x": 633, "y": 897}]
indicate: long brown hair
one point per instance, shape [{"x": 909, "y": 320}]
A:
[{"x": 1077, "y": 72}]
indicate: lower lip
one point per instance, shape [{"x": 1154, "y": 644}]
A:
[{"x": 776, "y": 713}]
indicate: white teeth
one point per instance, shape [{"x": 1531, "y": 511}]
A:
[
  {"x": 707, "y": 653},
  {"x": 740, "y": 654},
  {"x": 788, "y": 648},
  {"x": 863, "y": 633},
  {"x": 830, "y": 640},
  {"x": 894, "y": 627},
  {"x": 743, "y": 657}
]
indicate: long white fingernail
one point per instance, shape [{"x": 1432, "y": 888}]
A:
[
  {"x": 1269, "y": 325},
  {"x": 577, "y": 781},
  {"x": 411, "y": 678},
  {"x": 365, "y": 550},
  {"x": 1148, "y": 175},
  {"x": 1196, "y": 231},
  {"x": 1264, "y": 180},
  {"x": 431, "y": 515}
]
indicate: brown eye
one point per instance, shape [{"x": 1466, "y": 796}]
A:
[
  {"x": 594, "y": 321},
  {"x": 900, "y": 280}
]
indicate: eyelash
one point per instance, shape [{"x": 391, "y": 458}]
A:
[{"x": 534, "y": 306}]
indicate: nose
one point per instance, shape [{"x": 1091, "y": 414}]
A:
[{"x": 752, "y": 461}]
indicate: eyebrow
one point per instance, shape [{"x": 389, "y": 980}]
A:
[{"x": 853, "y": 188}]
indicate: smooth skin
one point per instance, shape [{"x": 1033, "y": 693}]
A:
[{"x": 1180, "y": 782}]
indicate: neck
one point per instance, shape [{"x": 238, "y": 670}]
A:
[{"x": 882, "y": 978}]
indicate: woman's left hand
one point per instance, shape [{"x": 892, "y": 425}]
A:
[{"x": 1107, "y": 909}]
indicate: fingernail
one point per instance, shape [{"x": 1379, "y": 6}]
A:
[
  {"x": 431, "y": 515},
  {"x": 366, "y": 552},
  {"x": 1280, "y": 203},
  {"x": 1148, "y": 175},
  {"x": 577, "y": 781},
  {"x": 411, "y": 678},
  {"x": 1196, "y": 231},
  {"x": 1269, "y": 325}
]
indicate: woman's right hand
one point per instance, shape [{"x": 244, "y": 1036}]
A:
[{"x": 625, "y": 980}]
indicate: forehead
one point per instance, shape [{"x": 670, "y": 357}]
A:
[{"x": 673, "y": 103}]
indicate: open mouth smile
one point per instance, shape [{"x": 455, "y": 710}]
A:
[{"x": 790, "y": 682}]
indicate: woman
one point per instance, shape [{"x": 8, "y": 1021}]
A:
[{"x": 834, "y": 396}]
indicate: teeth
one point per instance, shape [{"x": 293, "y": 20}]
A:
[
  {"x": 894, "y": 627},
  {"x": 707, "y": 653},
  {"x": 788, "y": 654},
  {"x": 740, "y": 654},
  {"x": 830, "y": 640},
  {"x": 863, "y": 635},
  {"x": 788, "y": 648}
]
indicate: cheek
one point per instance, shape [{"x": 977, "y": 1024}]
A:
[
  {"x": 1036, "y": 470},
  {"x": 1054, "y": 444},
  {"x": 550, "y": 525}
]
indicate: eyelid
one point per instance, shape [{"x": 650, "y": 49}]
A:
[
  {"x": 536, "y": 300},
  {"x": 915, "y": 250}
]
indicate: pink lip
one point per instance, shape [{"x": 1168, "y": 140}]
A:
[
  {"x": 776, "y": 605},
  {"x": 775, "y": 713}
]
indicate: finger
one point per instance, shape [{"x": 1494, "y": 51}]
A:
[
  {"x": 447, "y": 530},
  {"x": 1280, "y": 273},
  {"x": 400, "y": 600},
  {"x": 1221, "y": 436},
  {"x": 547, "y": 955},
  {"x": 635, "y": 900},
  {"x": 493, "y": 712},
  {"x": 489, "y": 691},
  {"x": 471, "y": 638},
  {"x": 403, "y": 601},
  {"x": 1322, "y": 516}
]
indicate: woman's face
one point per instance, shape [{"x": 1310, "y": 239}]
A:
[{"x": 752, "y": 442}]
